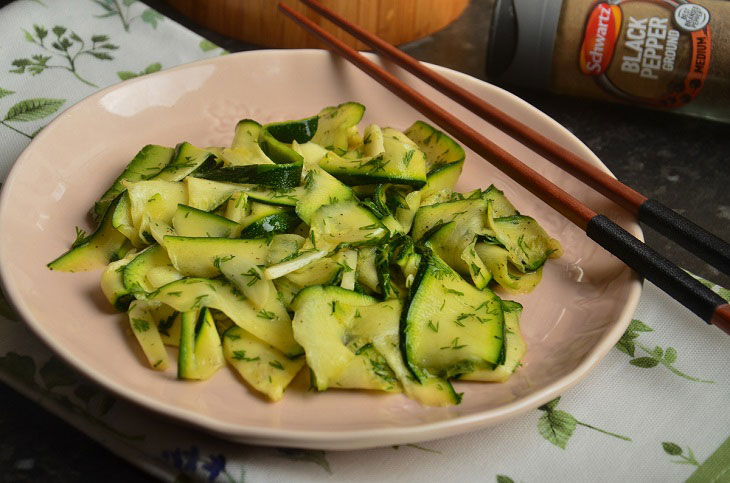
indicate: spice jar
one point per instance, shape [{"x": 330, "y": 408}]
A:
[{"x": 664, "y": 54}]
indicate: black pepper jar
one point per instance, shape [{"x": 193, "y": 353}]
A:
[{"x": 663, "y": 54}]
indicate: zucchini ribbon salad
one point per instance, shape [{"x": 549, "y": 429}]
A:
[{"x": 309, "y": 243}]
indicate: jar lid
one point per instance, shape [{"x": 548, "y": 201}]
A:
[{"x": 521, "y": 40}]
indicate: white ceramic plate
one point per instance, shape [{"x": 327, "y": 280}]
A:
[{"x": 570, "y": 321}]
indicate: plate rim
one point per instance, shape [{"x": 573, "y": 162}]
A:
[{"x": 323, "y": 439}]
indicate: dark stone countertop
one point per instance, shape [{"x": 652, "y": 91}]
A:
[{"x": 681, "y": 161}]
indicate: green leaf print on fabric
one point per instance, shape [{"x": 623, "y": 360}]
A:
[
  {"x": 558, "y": 426},
  {"x": 716, "y": 468},
  {"x": 721, "y": 291},
  {"x": 125, "y": 74},
  {"x": 115, "y": 8},
  {"x": 415, "y": 446},
  {"x": 654, "y": 357},
  {"x": 55, "y": 373},
  {"x": 33, "y": 109},
  {"x": 317, "y": 457},
  {"x": 5, "y": 92},
  {"x": 67, "y": 47},
  {"x": 151, "y": 17},
  {"x": 504, "y": 479},
  {"x": 674, "y": 449},
  {"x": 30, "y": 110},
  {"x": 89, "y": 403},
  {"x": 207, "y": 46},
  {"x": 626, "y": 343},
  {"x": 94, "y": 398}
]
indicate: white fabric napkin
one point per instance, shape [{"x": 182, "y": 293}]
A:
[{"x": 654, "y": 410}]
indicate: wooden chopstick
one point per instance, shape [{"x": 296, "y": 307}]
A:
[
  {"x": 653, "y": 213},
  {"x": 673, "y": 280}
]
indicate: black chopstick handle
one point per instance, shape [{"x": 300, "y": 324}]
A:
[
  {"x": 651, "y": 265},
  {"x": 687, "y": 234}
]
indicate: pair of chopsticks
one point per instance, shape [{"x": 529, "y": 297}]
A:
[{"x": 673, "y": 280}]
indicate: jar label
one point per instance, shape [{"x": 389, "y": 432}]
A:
[
  {"x": 655, "y": 53},
  {"x": 599, "y": 41}
]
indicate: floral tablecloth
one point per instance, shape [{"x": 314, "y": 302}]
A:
[{"x": 654, "y": 410}]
